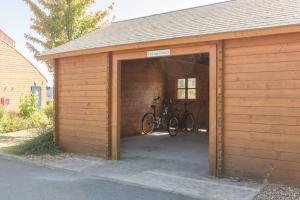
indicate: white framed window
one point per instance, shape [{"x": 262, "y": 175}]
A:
[{"x": 186, "y": 88}]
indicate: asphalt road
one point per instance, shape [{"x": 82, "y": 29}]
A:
[{"x": 20, "y": 180}]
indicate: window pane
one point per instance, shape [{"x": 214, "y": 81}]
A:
[
  {"x": 181, "y": 94},
  {"x": 191, "y": 83},
  {"x": 192, "y": 94},
  {"x": 181, "y": 83}
]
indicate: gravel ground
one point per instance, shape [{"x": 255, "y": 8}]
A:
[
  {"x": 279, "y": 192},
  {"x": 15, "y": 138}
]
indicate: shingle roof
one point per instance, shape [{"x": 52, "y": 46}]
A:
[{"x": 230, "y": 16}]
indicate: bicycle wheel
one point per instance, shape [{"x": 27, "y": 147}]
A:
[
  {"x": 148, "y": 123},
  {"x": 173, "y": 126},
  {"x": 189, "y": 122}
]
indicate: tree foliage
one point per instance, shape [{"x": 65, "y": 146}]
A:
[{"x": 59, "y": 21}]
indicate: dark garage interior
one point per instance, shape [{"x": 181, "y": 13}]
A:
[{"x": 177, "y": 79}]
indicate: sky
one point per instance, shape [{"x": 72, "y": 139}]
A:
[{"x": 15, "y": 17}]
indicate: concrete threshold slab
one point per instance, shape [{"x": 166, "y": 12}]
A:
[{"x": 169, "y": 181}]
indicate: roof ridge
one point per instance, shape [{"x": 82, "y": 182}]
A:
[{"x": 174, "y": 11}]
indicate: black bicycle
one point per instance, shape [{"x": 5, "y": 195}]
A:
[
  {"x": 151, "y": 121},
  {"x": 181, "y": 121}
]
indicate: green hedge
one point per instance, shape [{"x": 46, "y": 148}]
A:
[{"x": 28, "y": 117}]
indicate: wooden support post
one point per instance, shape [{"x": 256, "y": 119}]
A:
[
  {"x": 220, "y": 58},
  {"x": 55, "y": 98},
  {"x": 116, "y": 111}
]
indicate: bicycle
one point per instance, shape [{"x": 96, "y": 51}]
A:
[
  {"x": 184, "y": 121},
  {"x": 151, "y": 121}
]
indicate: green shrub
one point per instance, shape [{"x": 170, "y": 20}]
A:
[
  {"x": 28, "y": 117},
  {"x": 49, "y": 111},
  {"x": 2, "y": 111},
  {"x": 38, "y": 120},
  {"x": 10, "y": 122},
  {"x": 28, "y": 105},
  {"x": 41, "y": 145}
]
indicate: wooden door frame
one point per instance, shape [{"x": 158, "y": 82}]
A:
[{"x": 117, "y": 57}]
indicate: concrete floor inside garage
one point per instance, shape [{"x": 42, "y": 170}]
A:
[{"x": 185, "y": 155}]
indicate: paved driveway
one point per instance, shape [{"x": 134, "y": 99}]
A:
[
  {"x": 19, "y": 180},
  {"x": 178, "y": 164}
]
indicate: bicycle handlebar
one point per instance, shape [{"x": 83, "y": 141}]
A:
[{"x": 157, "y": 98}]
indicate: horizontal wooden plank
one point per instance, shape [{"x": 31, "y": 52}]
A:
[
  {"x": 276, "y": 164},
  {"x": 263, "y": 111},
  {"x": 80, "y": 105},
  {"x": 76, "y": 83},
  {"x": 66, "y": 70},
  {"x": 260, "y": 119},
  {"x": 101, "y": 58},
  {"x": 74, "y": 93},
  {"x": 262, "y": 76},
  {"x": 267, "y": 137},
  {"x": 263, "y": 128},
  {"x": 83, "y": 141},
  {"x": 263, "y": 67},
  {"x": 101, "y": 138},
  {"x": 264, "y": 58},
  {"x": 80, "y": 117},
  {"x": 262, "y": 102},
  {"x": 66, "y": 140},
  {"x": 84, "y": 130},
  {"x": 284, "y": 93},
  {"x": 92, "y": 111},
  {"x": 262, "y": 85},
  {"x": 101, "y": 75},
  {"x": 262, "y": 41},
  {"x": 67, "y": 88},
  {"x": 77, "y": 147},
  {"x": 264, "y": 49},
  {"x": 78, "y": 122},
  {"x": 79, "y": 68},
  {"x": 262, "y": 141},
  {"x": 82, "y": 100},
  {"x": 263, "y": 154}
]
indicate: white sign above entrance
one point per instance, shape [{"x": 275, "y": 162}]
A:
[{"x": 158, "y": 53}]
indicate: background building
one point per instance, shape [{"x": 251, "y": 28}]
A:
[{"x": 18, "y": 76}]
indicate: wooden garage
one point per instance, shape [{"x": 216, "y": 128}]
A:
[{"x": 254, "y": 83}]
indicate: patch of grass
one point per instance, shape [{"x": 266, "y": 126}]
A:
[{"x": 41, "y": 145}]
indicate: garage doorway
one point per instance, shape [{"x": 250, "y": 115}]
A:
[{"x": 182, "y": 77}]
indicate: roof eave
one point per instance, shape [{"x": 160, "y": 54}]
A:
[{"x": 178, "y": 41}]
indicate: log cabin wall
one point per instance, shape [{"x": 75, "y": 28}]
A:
[
  {"x": 82, "y": 111},
  {"x": 262, "y": 108},
  {"x": 142, "y": 80}
]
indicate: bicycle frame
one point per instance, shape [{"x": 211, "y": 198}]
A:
[
  {"x": 182, "y": 115},
  {"x": 159, "y": 119}
]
